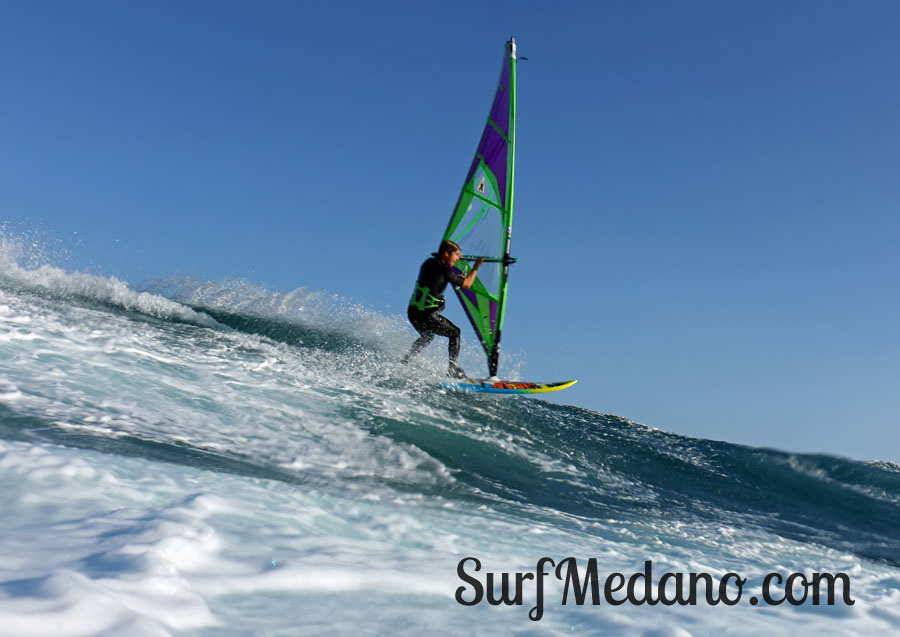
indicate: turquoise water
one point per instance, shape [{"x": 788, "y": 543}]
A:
[{"x": 211, "y": 458}]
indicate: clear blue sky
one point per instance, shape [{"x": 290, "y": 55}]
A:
[{"x": 707, "y": 192}]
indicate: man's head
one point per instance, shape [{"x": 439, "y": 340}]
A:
[{"x": 449, "y": 253}]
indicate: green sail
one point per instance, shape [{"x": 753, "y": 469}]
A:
[{"x": 482, "y": 220}]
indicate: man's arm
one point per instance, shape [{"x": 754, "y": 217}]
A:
[{"x": 470, "y": 277}]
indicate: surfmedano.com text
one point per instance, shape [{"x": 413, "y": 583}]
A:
[{"x": 618, "y": 588}]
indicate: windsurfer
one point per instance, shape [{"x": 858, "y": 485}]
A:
[{"x": 427, "y": 301}]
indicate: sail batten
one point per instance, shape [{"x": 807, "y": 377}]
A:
[{"x": 484, "y": 213}]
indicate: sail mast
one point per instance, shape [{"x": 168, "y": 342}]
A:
[{"x": 494, "y": 357}]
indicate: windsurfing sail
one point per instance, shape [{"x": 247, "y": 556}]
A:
[{"x": 481, "y": 223}]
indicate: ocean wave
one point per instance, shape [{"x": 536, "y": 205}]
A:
[
  {"x": 22, "y": 265},
  {"x": 285, "y": 469}
]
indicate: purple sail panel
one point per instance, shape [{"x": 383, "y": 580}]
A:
[
  {"x": 469, "y": 294},
  {"x": 493, "y": 148},
  {"x": 500, "y": 109},
  {"x": 495, "y": 160}
]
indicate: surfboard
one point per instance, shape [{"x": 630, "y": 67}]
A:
[{"x": 492, "y": 386}]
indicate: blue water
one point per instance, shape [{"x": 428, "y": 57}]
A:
[{"x": 212, "y": 458}]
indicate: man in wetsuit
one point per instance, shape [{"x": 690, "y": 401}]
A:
[{"x": 427, "y": 301}]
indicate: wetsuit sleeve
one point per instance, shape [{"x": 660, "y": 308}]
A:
[{"x": 453, "y": 277}]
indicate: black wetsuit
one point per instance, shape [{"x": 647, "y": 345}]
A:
[{"x": 425, "y": 307}]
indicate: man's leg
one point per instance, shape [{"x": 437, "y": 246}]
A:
[
  {"x": 424, "y": 328},
  {"x": 445, "y": 327},
  {"x": 420, "y": 344}
]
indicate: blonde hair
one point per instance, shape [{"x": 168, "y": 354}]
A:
[{"x": 447, "y": 246}]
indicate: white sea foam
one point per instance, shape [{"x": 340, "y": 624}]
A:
[
  {"x": 18, "y": 263},
  {"x": 162, "y": 478},
  {"x": 302, "y": 305},
  {"x": 162, "y": 549}
]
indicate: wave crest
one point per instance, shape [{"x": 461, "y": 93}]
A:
[{"x": 23, "y": 264}]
